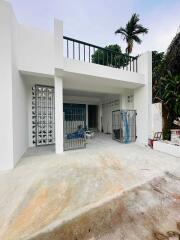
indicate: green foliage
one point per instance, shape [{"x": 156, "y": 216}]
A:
[
  {"x": 158, "y": 71},
  {"x": 157, "y": 58},
  {"x": 103, "y": 57},
  {"x": 166, "y": 82},
  {"x": 171, "y": 93},
  {"x": 131, "y": 32},
  {"x": 166, "y": 134},
  {"x": 173, "y": 55},
  {"x": 167, "y": 91},
  {"x": 166, "y": 78}
]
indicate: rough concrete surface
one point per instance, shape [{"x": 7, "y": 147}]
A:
[{"x": 107, "y": 191}]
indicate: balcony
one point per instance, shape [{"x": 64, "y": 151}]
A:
[{"x": 83, "y": 51}]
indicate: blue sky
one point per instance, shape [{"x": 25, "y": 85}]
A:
[{"x": 95, "y": 21}]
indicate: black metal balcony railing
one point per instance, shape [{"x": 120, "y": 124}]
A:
[{"x": 87, "y": 52}]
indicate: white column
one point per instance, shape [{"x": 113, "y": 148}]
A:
[
  {"x": 58, "y": 44},
  {"x": 143, "y": 100},
  {"x": 58, "y": 60},
  {"x": 100, "y": 117},
  {"x": 59, "y": 114}
]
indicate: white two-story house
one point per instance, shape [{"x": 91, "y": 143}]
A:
[{"x": 52, "y": 91}]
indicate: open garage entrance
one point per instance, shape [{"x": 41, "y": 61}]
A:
[
  {"x": 87, "y": 114},
  {"x": 83, "y": 111}
]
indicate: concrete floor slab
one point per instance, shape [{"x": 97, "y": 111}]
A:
[{"x": 48, "y": 189}]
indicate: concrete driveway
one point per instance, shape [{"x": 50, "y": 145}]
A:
[{"x": 47, "y": 191}]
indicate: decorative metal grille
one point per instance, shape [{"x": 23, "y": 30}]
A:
[
  {"x": 124, "y": 125},
  {"x": 43, "y": 115},
  {"x": 74, "y": 126}
]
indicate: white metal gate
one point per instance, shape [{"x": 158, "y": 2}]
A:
[{"x": 74, "y": 126}]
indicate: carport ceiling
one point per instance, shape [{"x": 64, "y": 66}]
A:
[
  {"x": 95, "y": 84},
  {"x": 69, "y": 92}
]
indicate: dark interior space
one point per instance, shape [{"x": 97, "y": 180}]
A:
[{"x": 93, "y": 116}]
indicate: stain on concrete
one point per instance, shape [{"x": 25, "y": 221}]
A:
[
  {"x": 110, "y": 161},
  {"x": 139, "y": 214},
  {"x": 39, "y": 210}
]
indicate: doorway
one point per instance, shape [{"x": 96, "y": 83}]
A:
[{"x": 93, "y": 116}]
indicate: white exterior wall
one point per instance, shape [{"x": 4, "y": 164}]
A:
[
  {"x": 123, "y": 77},
  {"x": 19, "y": 97},
  {"x": 6, "y": 124},
  {"x": 157, "y": 117},
  {"x": 35, "y": 50},
  {"x": 13, "y": 122},
  {"x": 20, "y": 116},
  {"x": 166, "y": 147},
  {"x": 143, "y": 100},
  {"x": 81, "y": 100},
  {"x": 127, "y": 100}
]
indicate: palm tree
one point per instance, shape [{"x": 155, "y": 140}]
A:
[{"x": 131, "y": 31}]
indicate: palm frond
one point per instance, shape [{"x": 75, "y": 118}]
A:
[
  {"x": 140, "y": 30},
  {"x": 134, "y": 19},
  {"x": 121, "y": 30},
  {"x": 137, "y": 39},
  {"x": 123, "y": 33}
]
